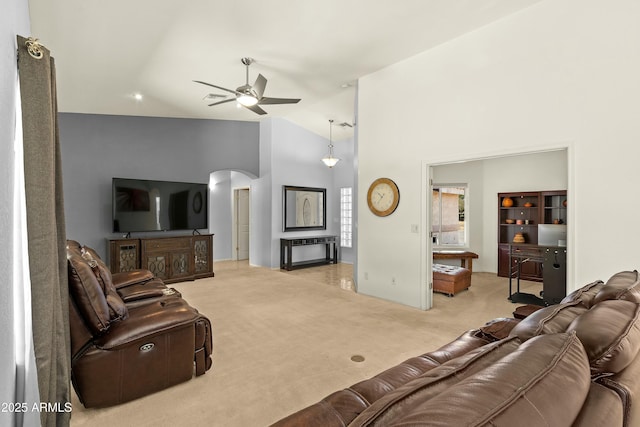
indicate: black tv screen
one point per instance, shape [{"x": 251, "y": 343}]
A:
[{"x": 144, "y": 205}]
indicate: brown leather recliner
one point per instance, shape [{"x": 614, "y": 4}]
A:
[{"x": 130, "y": 334}]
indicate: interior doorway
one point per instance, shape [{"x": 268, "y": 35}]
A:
[
  {"x": 486, "y": 177},
  {"x": 223, "y": 214},
  {"x": 241, "y": 227}
]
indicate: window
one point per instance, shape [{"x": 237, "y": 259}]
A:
[
  {"x": 449, "y": 227},
  {"x": 346, "y": 214}
]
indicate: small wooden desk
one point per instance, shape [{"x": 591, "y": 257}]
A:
[{"x": 463, "y": 256}]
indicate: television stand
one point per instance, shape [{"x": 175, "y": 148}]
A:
[
  {"x": 332, "y": 251},
  {"x": 172, "y": 259}
]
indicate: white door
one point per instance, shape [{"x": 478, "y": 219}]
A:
[{"x": 242, "y": 223}]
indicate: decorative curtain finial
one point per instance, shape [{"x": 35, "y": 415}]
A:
[{"x": 34, "y": 48}]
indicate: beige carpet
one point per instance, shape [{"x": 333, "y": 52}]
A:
[{"x": 284, "y": 340}]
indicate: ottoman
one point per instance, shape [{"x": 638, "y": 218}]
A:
[{"x": 449, "y": 279}]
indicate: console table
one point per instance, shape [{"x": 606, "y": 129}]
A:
[
  {"x": 332, "y": 251},
  {"x": 463, "y": 256}
]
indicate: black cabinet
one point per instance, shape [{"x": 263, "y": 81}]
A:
[{"x": 554, "y": 274}]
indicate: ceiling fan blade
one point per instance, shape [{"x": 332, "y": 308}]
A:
[
  {"x": 259, "y": 85},
  {"x": 255, "y": 109},
  {"x": 222, "y": 102},
  {"x": 219, "y": 87},
  {"x": 267, "y": 101}
]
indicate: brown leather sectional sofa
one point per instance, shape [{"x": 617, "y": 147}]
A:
[
  {"x": 130, "y": 334},
  {"x": 571, "y": 364}
]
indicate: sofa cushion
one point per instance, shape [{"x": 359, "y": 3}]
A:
[
  {"x": 627, "y": 384},
  {"x": 92, "y": 256},
  {"x": 131, "y": 277},
  {"x": 374, "y": 388},
  {"x": 530, "y": 384},
  {"x": 623, "y": 285},
  {"x": 610, "y": 334},
  {"x": 603, "y": 407},
  {"x": 97, "y": 301},
  {"x": 548, "y": 320},
  {"x": 340, "y": 408},
  {"x": 497, "y": 329},
  {"x": 437, "y": 380},
  {"x": 586, "y": 294}
]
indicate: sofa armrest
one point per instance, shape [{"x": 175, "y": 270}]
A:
[
  {"x": 128, "y": 278},
  {"x": 154, "y": 288},
  {"x": 148, "y": 320}
]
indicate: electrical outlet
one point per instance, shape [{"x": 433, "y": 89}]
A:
[
  {"x": 414, "y": 228},
  {"x": 366, "y": 275}
]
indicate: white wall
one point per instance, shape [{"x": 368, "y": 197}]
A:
[{"x": 561, "y": 73}]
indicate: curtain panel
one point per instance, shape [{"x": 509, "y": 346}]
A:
[{"x": 46, "y": 232}]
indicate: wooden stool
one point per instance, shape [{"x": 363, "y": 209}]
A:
[{"x": 450, "y": 280}]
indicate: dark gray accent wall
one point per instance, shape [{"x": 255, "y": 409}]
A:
[{"x": 96, "y": 148}]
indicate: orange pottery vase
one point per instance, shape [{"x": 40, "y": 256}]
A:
[{"x": 507, "y": 202}]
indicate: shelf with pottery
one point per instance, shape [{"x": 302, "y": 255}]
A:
[{"x": 519, "y": 214}]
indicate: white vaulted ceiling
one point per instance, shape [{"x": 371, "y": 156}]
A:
[{"x": 106, "y": 51}]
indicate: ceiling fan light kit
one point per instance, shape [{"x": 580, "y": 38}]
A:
[
  {"x": 329, "y": 160},
  {"x": 250, "y": 96},
  {"x": 247, "y": 100}
]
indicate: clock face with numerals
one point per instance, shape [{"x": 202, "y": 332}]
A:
[{"x": 383, "y": 197}]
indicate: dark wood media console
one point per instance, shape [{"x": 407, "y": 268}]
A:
[
  {"x": 172, "y": 259},
  {"x": 332, "y": 251}
]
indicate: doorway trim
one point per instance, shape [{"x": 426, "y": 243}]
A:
[{"x": 426, "y": 245}]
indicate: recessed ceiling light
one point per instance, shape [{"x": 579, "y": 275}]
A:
[{"x": 137, "y": 96}]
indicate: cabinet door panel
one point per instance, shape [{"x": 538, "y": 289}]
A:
[
  {"x": 202, "y": 255},
  {"x": 180, "y": 265},
  {"x": 124, "y": 255},
  {"x": 157, "y": 264}
]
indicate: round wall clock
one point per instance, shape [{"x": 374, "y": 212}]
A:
[{"x": 383, "y": 197}]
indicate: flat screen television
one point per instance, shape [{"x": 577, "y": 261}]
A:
[{"x": 143, "y": 205}]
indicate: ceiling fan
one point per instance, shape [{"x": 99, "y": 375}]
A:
[{"x": 250, "y": 96}]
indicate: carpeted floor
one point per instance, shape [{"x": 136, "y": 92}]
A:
[{"x": 284, "y": 340}]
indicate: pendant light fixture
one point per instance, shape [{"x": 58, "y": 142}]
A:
[{"x": 329, "y": 160}]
